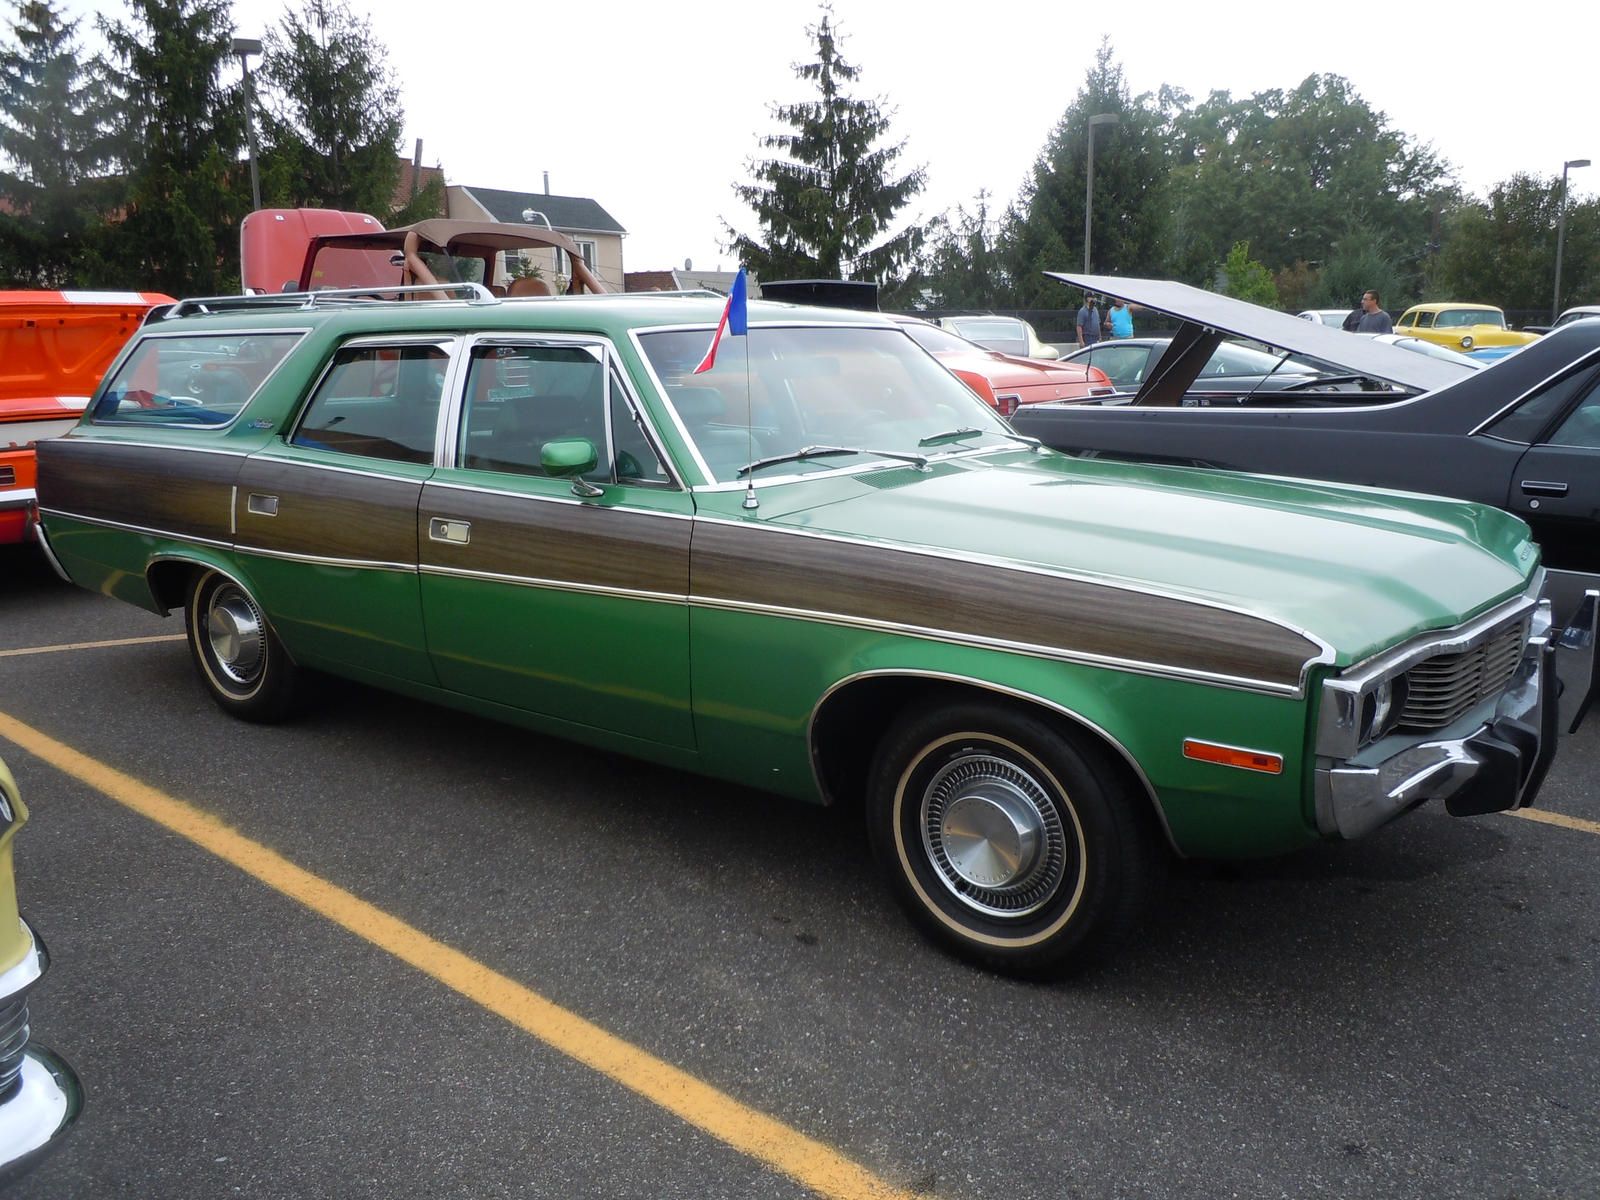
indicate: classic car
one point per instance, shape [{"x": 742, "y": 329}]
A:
[
  {"x": 1461, "y": 326},
  {"x": 40, "y": 1096},
  {"x": 1006, "y": 381},
  {"x": 1326, "y": 316},
  {"x": 54, "y": 346},
  {"x": 818, "y": 566},
  {"x": 1522, "y": 434},
  {"x": 1231, "y": 368},
  {"x": 1008, "y": 335}
]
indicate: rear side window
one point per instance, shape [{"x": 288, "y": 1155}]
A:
[
  {"x": 197, "y": 380},
  {"x": 378, "y": 402}
]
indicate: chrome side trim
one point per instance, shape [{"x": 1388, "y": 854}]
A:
[
  {"x": 43, "y": 538},
  {"x": 999, "y": 689},
  {"x": 18, "y": 498},
  {"x": 145, "y": 530},
  {"x": 557, "y": 585}
]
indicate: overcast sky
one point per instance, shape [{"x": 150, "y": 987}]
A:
[{"x": 653, "y": 107}]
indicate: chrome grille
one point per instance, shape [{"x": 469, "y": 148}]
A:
[{"x": 1442, "y": 688}]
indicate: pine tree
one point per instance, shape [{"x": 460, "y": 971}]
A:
[
  {"x": 180, "y": 145},
  {"x": 52, "y": 145},
  {"x": 825, "y": 205},
  {"x": 333, "y": 116}
]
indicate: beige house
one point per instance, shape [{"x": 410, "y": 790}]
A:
[{"x": 596, "y": 231}]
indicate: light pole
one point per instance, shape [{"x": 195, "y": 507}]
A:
[
  {"x": 1088, "y": 185},
  {"x": 244, "y": 48},
  {"x": 1561, "y": 232}
]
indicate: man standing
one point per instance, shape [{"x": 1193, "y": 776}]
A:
[
  {"x": 1373, "y": 319},
  {"x": 1088, "y": 322},
  {"x": 1120, "y": 318}
]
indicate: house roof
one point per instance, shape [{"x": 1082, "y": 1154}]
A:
[
  {"x": 571, "y": 214},
  {"x": 650, "y": 281}
]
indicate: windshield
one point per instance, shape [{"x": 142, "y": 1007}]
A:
[
  {"x": 1454, "y": 318},
  {"x": 779, "y": 391},
  {"x": 1004, "y": 334},
  {"x": 939, "y": 341}
]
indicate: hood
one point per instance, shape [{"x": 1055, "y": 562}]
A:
[
  {"x": 1355, "y": 568},
  {"x": 55, "y": 346}
]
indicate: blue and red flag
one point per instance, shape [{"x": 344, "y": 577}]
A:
[{"x": 735, "y": 322}]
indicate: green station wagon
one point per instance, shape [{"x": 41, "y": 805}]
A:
[{"x": 821, "y": 568}]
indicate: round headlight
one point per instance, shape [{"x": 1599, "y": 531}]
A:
[{"x": 1466, "y": 341}]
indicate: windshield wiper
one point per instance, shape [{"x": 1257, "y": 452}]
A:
[
  {"x": 950, "y": 435},
  {"x": 967, "y": 431},
  {"x": 806, "y": 452}
]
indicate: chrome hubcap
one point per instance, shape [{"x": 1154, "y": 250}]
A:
[
  {"x": 994, "y": 835},
  {"x": 236, "y": 635}
]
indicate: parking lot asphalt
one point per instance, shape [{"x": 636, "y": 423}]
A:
[{"x": 644, "y": 984}]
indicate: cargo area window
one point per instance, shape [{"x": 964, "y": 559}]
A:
[{"x": 201, "y": 380}]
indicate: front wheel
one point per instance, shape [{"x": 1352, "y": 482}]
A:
[
  {"x": 1011, "y": 844},
  {"x": 240, "y": 660}
]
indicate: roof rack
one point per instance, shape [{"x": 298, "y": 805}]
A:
[{"x": 377, "y": 294}]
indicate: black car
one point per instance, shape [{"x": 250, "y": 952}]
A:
[{"x": 1522, "y": 434}]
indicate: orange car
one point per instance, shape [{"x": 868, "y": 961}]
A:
[
  {"x": 1004, "y": 380},
  {"x": 54, "y": 347}
]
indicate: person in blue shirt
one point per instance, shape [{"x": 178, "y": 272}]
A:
[{"x": 1120, "y": 318}]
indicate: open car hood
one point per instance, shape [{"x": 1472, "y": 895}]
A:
[{"x": 1207, "y": 317}]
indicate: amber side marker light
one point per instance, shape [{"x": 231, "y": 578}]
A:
[{"x": 1232, "y": 756}]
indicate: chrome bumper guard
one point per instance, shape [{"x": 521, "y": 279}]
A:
[
  {"x": 40, "y": 1096},
  {"x": 1499, "y": 765}
]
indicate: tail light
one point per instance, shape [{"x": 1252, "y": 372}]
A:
[{"x": 1007, "y": 404}]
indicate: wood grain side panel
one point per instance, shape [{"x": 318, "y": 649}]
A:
[
  {"x": 186, "y": 493},
  {"x": 769, "y": 568},
  {"x": 583, "y": 544},
  {"x": 344, "y": 515}
]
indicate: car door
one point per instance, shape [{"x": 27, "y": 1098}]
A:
[
  {"x": 327, "y": 517},
  {"x": 1556, "y": 484},
  {"x": 562, "y": 596}
]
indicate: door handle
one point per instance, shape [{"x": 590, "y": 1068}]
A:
[
  {"x": 442, "y": 529},
  {"x": 1541, "y": 487},
  {"x": 261, "y": 506}
]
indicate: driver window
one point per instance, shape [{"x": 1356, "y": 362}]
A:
[
  {"x": 520, "y": 397},
  {"x": 1582, "y": 428}
]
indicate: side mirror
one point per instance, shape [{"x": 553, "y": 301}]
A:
[{"x": 570, "y": 458}]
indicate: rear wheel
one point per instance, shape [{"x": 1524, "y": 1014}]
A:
[
  {"x": 1009, "y": 842},
  {"x": 242, "y": 663}
]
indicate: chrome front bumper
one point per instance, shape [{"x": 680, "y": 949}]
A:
[
  {"x": 40, "y": 1096},
  {"x": 1497, "y": 765}
]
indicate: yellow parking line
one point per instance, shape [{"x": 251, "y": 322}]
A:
[
  {"x": 805, "y": 1160},
  {"x": 1551, "y": 818},
  {"x": 142, "y": 641}
]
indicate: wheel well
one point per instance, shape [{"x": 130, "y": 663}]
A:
[
  {"x": 169, "y": 582},
  {"x": 853, "y": 720}
]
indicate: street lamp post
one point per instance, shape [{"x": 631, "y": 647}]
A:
[
  {"x": 1561, "y": 232},
  {"x": 1088, "y": 186},
  {"x": 244, "y": 48}
]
